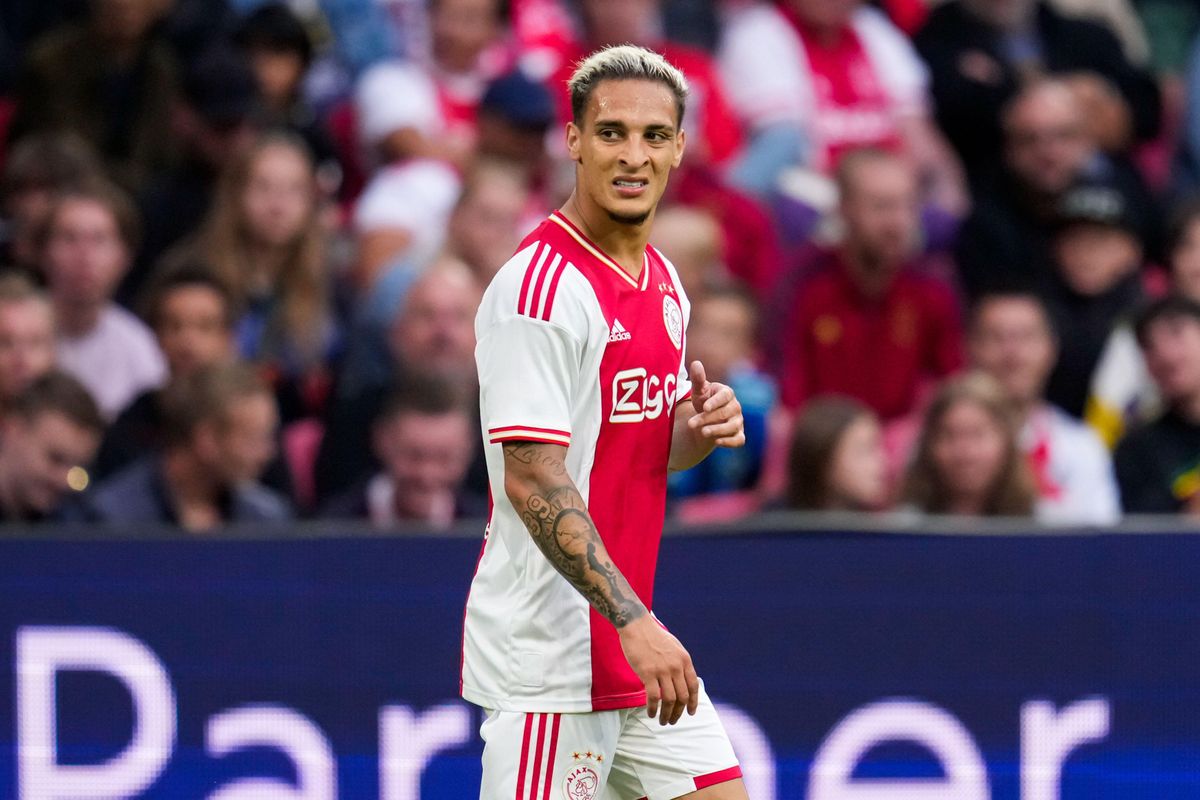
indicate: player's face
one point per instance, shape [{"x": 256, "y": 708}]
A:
[
  {"x": 626, "y": 145},
  {"x": 1012, "y": 342}
]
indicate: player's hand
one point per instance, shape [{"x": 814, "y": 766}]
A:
[
  {"x": 718, "y": 414},
  {"x": 664, "y": 667}
]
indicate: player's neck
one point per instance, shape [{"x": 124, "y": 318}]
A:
[{"x": 624, "y": 243}]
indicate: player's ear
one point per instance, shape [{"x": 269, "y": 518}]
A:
[
  {"x": 573, "y": 141},
  {"x": 680, "y": 143}
]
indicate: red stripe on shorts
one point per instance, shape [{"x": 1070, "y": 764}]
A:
[
  {"x": 524, "y": 757},
  {"x": 553, "y": 749},
  {"x": 713, "y": 778},
  {"x": 537, "y": 759}
]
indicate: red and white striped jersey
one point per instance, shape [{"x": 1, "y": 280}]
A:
[{"x": 572, "y": 351}]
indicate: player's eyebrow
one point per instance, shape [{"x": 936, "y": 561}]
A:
[{"x": 620, "y": 125}]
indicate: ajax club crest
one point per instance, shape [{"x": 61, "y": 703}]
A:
[
  {"x": 673, "y": 319},
  {"x": 582, "y": 783}
]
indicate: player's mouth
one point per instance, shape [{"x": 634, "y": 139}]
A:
[{"x": 630, "y": 187}]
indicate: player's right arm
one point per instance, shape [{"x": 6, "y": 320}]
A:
[{"x": 548, "y": 502}]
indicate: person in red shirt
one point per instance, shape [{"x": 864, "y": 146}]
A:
[{"x": 865, "y": 320}]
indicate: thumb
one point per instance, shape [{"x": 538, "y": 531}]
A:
[{"x": 699, "y": 385}]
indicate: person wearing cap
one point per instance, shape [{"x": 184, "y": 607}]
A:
[
  {"x": 1047, "y": 150},
  {"x": 514, "y": 115},
  {"x": 110, "y": 80},
  {"x": 1096, "y": 280},
  {"x": 1158, "y": 464}
]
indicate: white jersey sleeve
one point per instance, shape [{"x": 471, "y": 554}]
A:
[
  {"x": 529, "y": 355},
  {"x": 527, "y": 372}
]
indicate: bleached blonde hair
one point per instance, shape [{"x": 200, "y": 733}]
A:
[{"x": 621, "y": 63}]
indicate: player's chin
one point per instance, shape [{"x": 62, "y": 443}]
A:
[{"x": 630, "y": 212}]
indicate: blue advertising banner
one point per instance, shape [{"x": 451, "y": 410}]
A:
[{"x": 846, "y": 666}]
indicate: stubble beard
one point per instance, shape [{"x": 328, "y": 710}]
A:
[{"x": 627, "y": 219}]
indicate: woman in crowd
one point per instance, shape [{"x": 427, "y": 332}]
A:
[
  {"x": 837, "y": 458},
  {"x": 265, "y": 240},
  {"x": 967, "y": 460}
]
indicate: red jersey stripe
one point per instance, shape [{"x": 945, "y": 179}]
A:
[
  {"x": 535, "y": 295},
  {"x": 549, "y": 304},
  {"x": 537, "y": 759},
  {"x": 528, "y": 428},
  {"x": 553, "y": 750},
  {"x": 524, "y": 757},
  {"x": 713, "y": 778},
  {"x": 530, "y": 437},
  {"x": 524, "y": 306}
]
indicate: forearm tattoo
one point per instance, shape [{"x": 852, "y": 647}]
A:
[{"x": 562, "y": 528}]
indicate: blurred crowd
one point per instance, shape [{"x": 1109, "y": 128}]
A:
[{"x": 946, "y": 251}]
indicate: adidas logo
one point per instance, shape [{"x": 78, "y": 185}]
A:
[{"x": 618, "y": 333}]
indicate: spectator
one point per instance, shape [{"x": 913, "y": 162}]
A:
[
  {"x": 220, "y": 434},
  {"x": 280, "y": 53},
  {"x": 1012, "y": 340},
  {"x": 1047, "y": 150},
  {"x": 817, "y": 80},
  {"x": 1098, "y": 258},
  {"x": 968, "y": 461},
  {"x": 401, "y": 217},
  {"x": 867, "y": 322},
  {"x": 485, "y": 228},
  {"x": 425, "y": 438},
  {"x": 109, "y": 80},
  {"x": 90, "y": 237},
  {"x": 693, "y": 240},
  {"x": 213, "y": 122},
  {"x": 264, "y": 239},
  {"x": 980, "y": 52},
  {"x": 721, "y": 336},
  {"x": 514, "y": 116},
  {"x": 1122, "y": 391},
  {"x": 49, "y": 437},
  {"x": 432, "y": 335},
  {"x": 1158, "y": 464},
  {"x": 192, "y": 315},
  {"x": 837, "y": 458},
  {"x": 26, "y": 337},
  {"x": 39, "y": 167}
]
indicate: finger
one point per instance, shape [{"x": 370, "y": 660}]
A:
[
  {"x": 721, "y": 414},
  {"x": 652, "y": 700},
  {"x": 720, "y": 430},
  {"x": 667, "y": 686},
  {"x": 721, "y": 395},
  {"x": 732, "y": 441},
  {"x": 683, "y": 698},
  {"x": 693, "y": 684},
  {"x": 696, "y": 373}
]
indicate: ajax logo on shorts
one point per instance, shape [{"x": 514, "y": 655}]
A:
[{"x": 581, "y": 783}]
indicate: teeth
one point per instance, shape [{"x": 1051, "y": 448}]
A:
[{"x": 628, "y": 183}]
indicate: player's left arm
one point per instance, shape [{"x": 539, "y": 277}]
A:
[{"x": 716, "y": 421}]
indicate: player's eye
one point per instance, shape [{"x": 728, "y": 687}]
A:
[{"x": 610, "y": 134}]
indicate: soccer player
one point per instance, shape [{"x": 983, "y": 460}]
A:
[{"x": 587, "y": 404}]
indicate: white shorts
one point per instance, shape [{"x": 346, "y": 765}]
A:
[{"x": 603, "y": 755}]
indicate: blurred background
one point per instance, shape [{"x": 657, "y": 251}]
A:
[{"x": 947, "y": 254}]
